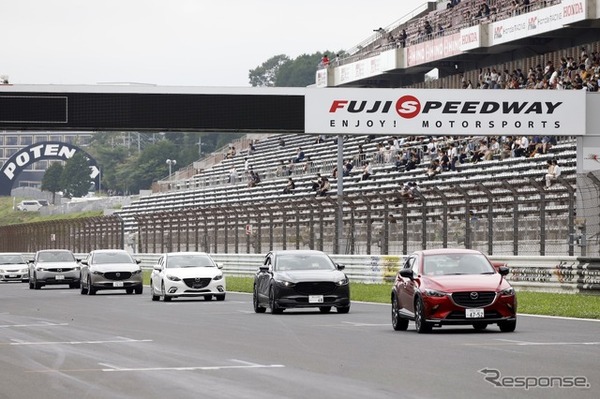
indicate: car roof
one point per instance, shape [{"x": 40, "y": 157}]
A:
[
  {"x": 297, "y": 252},
  {"x": 443, "y": 251},
  {"x": 108, "y": 250},
  {"x": 185, "y": 253},
  {"x": 55, "y": 250}
]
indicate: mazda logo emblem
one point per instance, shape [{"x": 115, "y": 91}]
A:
[
  {"x": 59, "y": 270},
  {"x": 197, "y": 279},
  {"x": 118, "y": 274},
  {"x": 474, "y": 295}
]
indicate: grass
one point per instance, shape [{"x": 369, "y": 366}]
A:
[
  {"x": 540, "y": 303},
  {"x": 8, "y": 216}
]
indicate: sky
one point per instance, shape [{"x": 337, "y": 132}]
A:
[{"x": 176, "y": 42}]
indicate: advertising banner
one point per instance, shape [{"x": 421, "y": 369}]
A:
[{"x": 445, "y": 112}]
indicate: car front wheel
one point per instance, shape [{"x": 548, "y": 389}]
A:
[
  {"x": 398, "y": 323},
  {"x": 343, "y": 309},
  {"x": 508, "y": 326},
  {"x": 163, "y": 292},
  {"x": 83, "y": 288},
  {"x": 275, "y": 309},
  {"x": 255, "y": 303},
  {"x": 420, "y": 321},
  {"x": 152, "y": 294},
  {"x": 90, "y": 287}
]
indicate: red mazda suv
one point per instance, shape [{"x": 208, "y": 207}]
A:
[{"x": 438, "y": 287}]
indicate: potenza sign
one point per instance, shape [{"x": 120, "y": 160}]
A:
[
  {"x": 445, "y": 112},
  {"x": 44, "y": 150}
]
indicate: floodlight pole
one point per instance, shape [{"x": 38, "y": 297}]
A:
[{"x": 340, "y": 193}]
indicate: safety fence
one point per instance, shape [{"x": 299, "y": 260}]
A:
[{"x": 498, "y": 220}]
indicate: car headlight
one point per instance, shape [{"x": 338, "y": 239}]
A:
[
  {"x": 23, "y": 271},
  {"x": 133, "y": 273},
  {"x": 508, "y": 291},
  {"x": 2, "y": 271},
  {"x": 285, "y": 283},
  {"x": 218, "y": 277},
  {"x": 343, "y": 281},
  {"x": 40, "y": 269},
  {"x": 433, "y": 293},
  {"x": 97, "y": 273},
  {"x": 173, "y": 278}
]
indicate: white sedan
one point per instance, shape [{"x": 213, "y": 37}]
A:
[{"x": 187, "y": 274}]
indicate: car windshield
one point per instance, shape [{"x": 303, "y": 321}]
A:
[
  {"x": 181, "y": 261},
  {"x": 11, "y": 259},
  {"x": 55, "y": 257},
  {"x": 449, "y": 264},
  {"x": 304, "y": 262},
  {"x": 112, "y": 257}
]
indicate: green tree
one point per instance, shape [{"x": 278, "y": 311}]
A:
[
  {"x": 281, "y": 71},
  {"x": 52, "y": 179},
  {"x": 75, "y": 178},
  {"x": 140, "y": 171},
  {"x": 265, "y": 75}
]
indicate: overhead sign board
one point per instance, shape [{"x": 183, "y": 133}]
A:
[{"x": 445, "y": 112}]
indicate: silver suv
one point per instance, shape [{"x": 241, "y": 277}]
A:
[{"x": 54, "y": 266}]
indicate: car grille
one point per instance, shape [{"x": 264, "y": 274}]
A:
[
  {"x": 60, "y": 270},
  {"x": 315, "y": 288},
  {"x": 470, "y": 300},
  {"x": 196, "y": 282},
  {"x": 117, "y": 275}
]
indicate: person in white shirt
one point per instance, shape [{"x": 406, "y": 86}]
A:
[{"x": 553, "y": 172}]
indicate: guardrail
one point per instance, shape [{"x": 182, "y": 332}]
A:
[{"x": 535, "y": 273}]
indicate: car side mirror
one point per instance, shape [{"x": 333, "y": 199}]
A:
[
  {"x": 220, "y": 266},
  {"x": 138, "y": 261},
  {"x": 264, "y": 269},
  {"x": 340, "y": 267},
  {"x": 84, "y": 262},
  {"x": 503, "y": 270},
  {"x": 31, "y": 261},
  {"x": 158, "y": 267},
  {"x": 407, "y": 273}
]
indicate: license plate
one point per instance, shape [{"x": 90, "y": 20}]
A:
[
  {"x": 474, "y": 313},
  {"x": 12, "y": 276},
  {"x": 117, "y": 284},
  {"x": 59, "y": 277},
  {"x": 315, "y": 299}
]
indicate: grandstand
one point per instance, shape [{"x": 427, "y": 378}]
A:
[{"x": 499, "y": 205}]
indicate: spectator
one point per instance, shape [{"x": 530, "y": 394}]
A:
[
  {"x": 251, "y": 148},
  {"x": 253, "y": 179},
  {"x": 281, "y": 142},
  {"x": 367, "y": 171},
  {"x": 324, "y": 188},
  {"x": 246, "y": 165},
  {"x": 290, "y": 186},
  {"x": 230, "y": 153},
  {"x": 554, "y": 172},
  {"x": 348, "y": 165},
  {"x": 316, "y": 182},
  {"x": 324, "y": 61},
  {"x": 434, "y": 168},
  {"x": 402, "y": 38},
  {"x": 233, "y": 175},
  {"x": 299, "y": 156}
]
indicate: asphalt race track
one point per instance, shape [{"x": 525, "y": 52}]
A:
[{"x": 56, "y": 343}]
